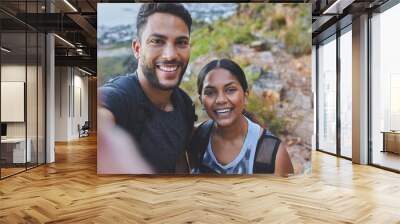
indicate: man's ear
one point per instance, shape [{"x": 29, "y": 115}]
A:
[
  {"x": 200, "y": 99},
  {"x": 136, "y": 48}
]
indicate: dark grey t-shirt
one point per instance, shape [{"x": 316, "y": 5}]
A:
[{"x": 163, "y": 135}]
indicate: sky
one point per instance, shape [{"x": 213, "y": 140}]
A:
[{"x": 114, "y": 14}]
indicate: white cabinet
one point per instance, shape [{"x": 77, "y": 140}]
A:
[{"x": 18, "y": 149}]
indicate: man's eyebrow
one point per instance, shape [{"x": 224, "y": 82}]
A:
[
  {"x": 182, "y": 38},
  {"x": 165, "y": 37},
  {"x": 158, "y": 35}
]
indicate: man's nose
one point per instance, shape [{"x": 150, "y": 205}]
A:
[{"x": 169, "y": 52}]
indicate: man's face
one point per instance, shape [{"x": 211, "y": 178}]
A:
[{"x": 163, "y": 50}]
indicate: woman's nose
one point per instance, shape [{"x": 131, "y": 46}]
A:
[{"x": 221, "y": 98}]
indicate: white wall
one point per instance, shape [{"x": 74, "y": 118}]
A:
[
  {"x": 314, "y": 90},
  {"x": 61, "y": 103},
  {"x": 71, "y": 94},
  {"x": 14, "y": 73},
  {"x": 50, "y": 95},
  {"x": 33, "y": 125}
]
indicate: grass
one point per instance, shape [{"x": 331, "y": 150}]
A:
[{"x": 109, "y": 67}]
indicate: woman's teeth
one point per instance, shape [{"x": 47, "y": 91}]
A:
[{"x": 223, "y": 111}]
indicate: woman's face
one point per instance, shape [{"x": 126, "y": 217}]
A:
[{"x": 223, "y": 97}]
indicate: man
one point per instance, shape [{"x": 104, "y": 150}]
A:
[{"x": 148, "y": 104}]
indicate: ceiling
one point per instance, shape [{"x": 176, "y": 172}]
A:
[
  {"x": 330, "y": 15},
  {"x": 74, "y": 22}
]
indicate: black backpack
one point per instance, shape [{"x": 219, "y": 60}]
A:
[
  {"x": 264, "y": 160},
  {"x": 140, "y": 110}
]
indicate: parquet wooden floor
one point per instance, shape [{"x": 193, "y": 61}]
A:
[{"x": 70, "y": 191}]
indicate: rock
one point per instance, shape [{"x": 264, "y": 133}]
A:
[
  {"x": 271, "y": 97},
  {"x": 268, "y": 81},
  {"x": 300, "y": 100},
  {"x": 305, "y": 127},
  {"x": 300, "y": 156},
  {"x": 241, "y": 50},
  {"x": 236, "y": 49},
  {"x": 266, "y": 56},
  {"x": 260, "y": 45},
  {"x": 253, "y": 70},
  {"x": 195, "y": 67}
]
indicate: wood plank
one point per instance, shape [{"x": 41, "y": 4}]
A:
[{"x": 70, "y": 191}]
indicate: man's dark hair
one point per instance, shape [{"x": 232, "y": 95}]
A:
[{"x": 147, "y": 9}]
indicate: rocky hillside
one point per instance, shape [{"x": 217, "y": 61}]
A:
[{"x": 272, "y": 45}]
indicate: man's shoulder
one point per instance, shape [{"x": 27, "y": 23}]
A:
[
  {"x": 120, "y": 91},
  {"x": 122, "y": 85},
  {"x": 123, "y": 81}
]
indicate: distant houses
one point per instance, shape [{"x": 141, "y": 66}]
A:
[{"x": 117, "y": 34}]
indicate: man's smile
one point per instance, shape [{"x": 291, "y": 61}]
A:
[{"x": 167, "y": 67}]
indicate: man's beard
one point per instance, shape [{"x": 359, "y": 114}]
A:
[{"x": 149, "y": 72}]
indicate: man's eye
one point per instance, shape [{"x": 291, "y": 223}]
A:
[
  {"x": 156, "y": 41},
  {"x": 183, "y": 43}
]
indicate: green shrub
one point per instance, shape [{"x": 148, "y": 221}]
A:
[
  {"x": 265, "y": 112},
  {"x": 109, "y": 67},
  {"x": 252, "y": 77},
  {"x": 298, "y": 42},
  {"x": 218, "y": 38},
  {"x": 278, "y": 21}
]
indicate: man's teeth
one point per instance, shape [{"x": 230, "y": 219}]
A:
[
  {"x": 168, "y": 68},
  {"x": 223, "y": 111}
]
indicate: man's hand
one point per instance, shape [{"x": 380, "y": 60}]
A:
[{"x": 117, "y": 152}]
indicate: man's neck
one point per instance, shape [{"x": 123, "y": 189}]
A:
[{"x": 160, "y": 98}]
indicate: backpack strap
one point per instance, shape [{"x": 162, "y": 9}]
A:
[
  {"x": 198, "y": 144},
  {"x": 267, "y": 148}
]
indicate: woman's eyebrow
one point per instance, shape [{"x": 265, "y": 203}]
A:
[
  {"x": 213, "y": 87},
  {"x": 209, "y": 87},
  {"x": 230, "y": 83}
]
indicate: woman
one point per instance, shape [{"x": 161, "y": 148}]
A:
[{"x": 231, "y": 142}]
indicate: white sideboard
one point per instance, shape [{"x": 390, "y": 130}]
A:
[{"x": 18, "y": 148}]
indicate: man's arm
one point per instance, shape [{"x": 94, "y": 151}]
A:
[
  {"x": 105, "y": 117},
  {"x": 117, "y": 151}
]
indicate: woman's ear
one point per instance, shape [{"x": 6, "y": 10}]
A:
[{"x": 246, "y": 96}]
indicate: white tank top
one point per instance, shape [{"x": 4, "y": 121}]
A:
[{"x": 243, "y": 163}]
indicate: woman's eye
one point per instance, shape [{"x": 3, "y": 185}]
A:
[
  {"x": 208, "y": 93},
  {"x": 231, "y": 90}
]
